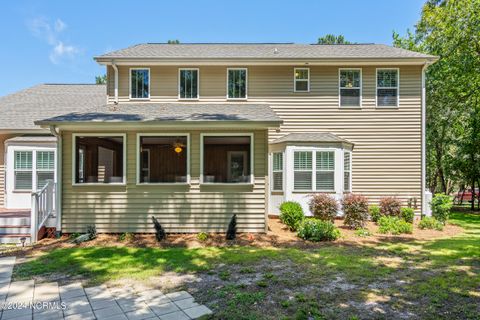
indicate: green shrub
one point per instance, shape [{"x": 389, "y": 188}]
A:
[
  {"x": 374, "y": 211},
  {"x": 390, "y": 206},
  {"x": 355, "y": 208},
  {"x": 324, "y": 207},
  {"x": 291, "y": 214},
  {"x": 441, "y": 205},
  {"x": 394, "y": 225},
  {"x": 430, "y": 223},
  {"x": 362, "y": 232},
  {"x": 126, "y": 236},
  {"x": 407, "y": 214},
  {"x": 202, "y": 236},
  {"x": 318, "y": 230}
]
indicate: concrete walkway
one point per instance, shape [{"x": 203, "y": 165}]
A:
[{"x": 48, "y": 301}]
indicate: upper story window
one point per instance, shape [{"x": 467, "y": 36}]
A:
[
  {"x": 302, "y": 79},
  {"x": 236, "y": 83},
  {"x": 387, "y": 87},
  {"x": 188, "y": 84},
  {"x": 350, "y": 87},
  {"x": 139, "y": 83}
]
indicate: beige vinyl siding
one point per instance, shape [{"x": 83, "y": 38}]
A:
[
  {"x": 180, "y": 208},
  {"x": 386, "y": 158},
  {"x": 3, "y": 167}
]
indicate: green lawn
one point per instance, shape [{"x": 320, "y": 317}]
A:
[{"x": 437, "y": 279}]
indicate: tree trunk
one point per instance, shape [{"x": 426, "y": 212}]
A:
[{"x": 473, "y": 195}]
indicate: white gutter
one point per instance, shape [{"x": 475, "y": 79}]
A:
[
  {"x": 115, "y": 68},
  {"x": 423, "y": 132},
  {"x": 58, "y": 190}
]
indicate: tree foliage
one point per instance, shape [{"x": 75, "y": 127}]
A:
[
  {"x": 332, "y": 39},
  {"x": 175, "y": 41},
  {"x": 450, "y": 29},
  {"x": 101, "y": 79}
]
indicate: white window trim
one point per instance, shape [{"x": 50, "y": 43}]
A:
[
  {"x": 163, "y": 134},
  {"x": 312, "y": 171},
  {"x": 282, "y": 171},
  {"x": 74, "y": 158},
  {"x": 130, "y": 84},
  {"x": 198, "y": 83},
  {"x": 301, "y": 80},
  {"x": 397, "y": 87},
  {"x": 340, "y": 91},
  {"x": 246, "y": 84},
  {"x": 314, "y": 168},
  {"x": 350, "y": 182},
  {"x": 34, "y": 167},
  {"x": 43, "y": 170},
  {"x": 32, "y": 170},
  {"x": 230, "y": 134}
]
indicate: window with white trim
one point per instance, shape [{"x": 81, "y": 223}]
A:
[
  {"x": 277, "y": 171},
  {"x": 302, "y": 79},
  {"x": 45, "y": 169},
  {"x": 347, "y": 171},
  {"x": 139, "y": 83},
  {"x": 325, "y": 176},
  {"x": 23, "y": 168},
  {"x": 350, "y": 88},
  {"x": 188, "y": 84},
  {"x": 387, "y": 87},
  {"x": 237, "y": 83},
  {"x": 302, "y": 170}
]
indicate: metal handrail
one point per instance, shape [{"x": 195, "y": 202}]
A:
[{"x": 43, "y": 206}]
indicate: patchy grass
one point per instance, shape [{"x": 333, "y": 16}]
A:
[{"x": 436, "y": 279}]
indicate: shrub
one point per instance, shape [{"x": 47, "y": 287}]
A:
[
  {"x": 430, "y": 223},
  {"x": 362, "y": 232},
  {"x": 323, "y": 207},
  {"x": 394, "y": 225},
  {"x": 202, "y": 236},
  {"x": 355, "y": 208},
  {"x": 232, "y": 228},
  {"x": 374, "y": 211},
  {"x": 441, "y": 205},
  {"x": 407, "y": 214},
  {"x": 318, "y": 230},
  {"x": 92, "y": 231},
  {"x": 291, "y": 214},
  {"x": 390, "y": 206}
]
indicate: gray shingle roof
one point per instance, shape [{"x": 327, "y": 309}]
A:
[
  {"x": 19, "y": 110},
  {"x": 158, "y": 112},
  {"x": 33, "y": 139},
  {"x": 311, "y": 137},
  {"x": 261, "y": 51}
]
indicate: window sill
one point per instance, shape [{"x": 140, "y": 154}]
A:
[
  {"x": 139, "y": 99},
  {"x": 314, "y": 191},
  {"x": 189, "y": 99},
  {"x": 89, "y": 184},
  {"x": 387, "y": 107},
  {"x": 167, "y": 184},
  {"x": 223, "y": 184},
  {"x": 350, "y": 107},
  {"x": 237, "y": 99}
]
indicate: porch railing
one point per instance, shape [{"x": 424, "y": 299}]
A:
[{"x": 43, "y": 206}]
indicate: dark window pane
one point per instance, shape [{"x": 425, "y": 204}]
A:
[
  {"x": 99, "y": 159},
  {"x": 387, "y": 97},
  {"x": 42, "y": 177},
  {"x": 139, "y": 84},
  {"x": 23, "y": 180},
  {"x": 226, "y": 159},
  {"x": 386, "y": 78},
  {"x": 350, "y": 97},
  {"x": 301, "y": 85},
  {"x": 163, "y": 159},
  {"x": 237, "y": 83}
]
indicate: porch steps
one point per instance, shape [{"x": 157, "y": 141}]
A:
[{"x": 14, "y": 226}]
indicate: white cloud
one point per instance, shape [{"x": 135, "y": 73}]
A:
[{"x": 50, "y": 33}]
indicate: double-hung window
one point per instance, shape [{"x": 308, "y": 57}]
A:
[
  {"x": 387, "y": 87},
  {"x": 140, "y": 83},
  {"x": 188, "y": 84},
  {"x": 302, "y": 170},
  {"x": 302, "y": 79},
  {"x": 237, "y": 83},
  {"x": 23, "y": 167},
  {"x": 277, "y": 171},
  {"x": 325, "y": 176},
  {"x": 314, "y": 171},
  {"x": 45, "y": 167},
  {"x": 347, "y": 171},
  {"x": 350, "y": 87}
]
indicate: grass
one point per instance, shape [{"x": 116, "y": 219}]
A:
[{"x": 438, "y": 279}]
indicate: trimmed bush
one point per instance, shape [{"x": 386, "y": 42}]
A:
[
  {"x": 323, "y": 207},
  {"x": 430, "y": 223},
  {"x": 317, "y": 230},
  {"x": 355, "y": 208},
  {"x": 441, "y": 205},
  {"x": 407, "y": 214},
  {"x": 291, "y": 214},
  {"x": 202, "y": 236},
  {"x": 374, "y": 212},
  {"x": 390, "y": 206},
  {"x": 394, "y": 225}
]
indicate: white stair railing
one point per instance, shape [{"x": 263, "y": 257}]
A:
[{"x": 43, "y": 206}]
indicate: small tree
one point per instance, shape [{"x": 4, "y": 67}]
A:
[
  {"x": 323, "y": 207},
  {"x": 441, "y": 205},
  {"x": 390, "y": 206},
  {"x": 355, "y": 208}
]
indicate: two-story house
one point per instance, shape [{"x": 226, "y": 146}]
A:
[{"x": 194, "y": 133}]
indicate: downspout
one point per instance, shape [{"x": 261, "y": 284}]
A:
[
  {"x": 423, "y": 133},
  {"x": 58, "y": 189},
  {"x": 115, "y": 68}
]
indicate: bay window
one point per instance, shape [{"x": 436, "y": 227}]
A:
[
  {"x": 347, "y": 171},
  {"x": 277, "y": 171},
  {"x": 387, "y": 87},
  {"x": 32, "y": 169},
  {"x": 302, "y": 167},
  {"x": 350, "y": 87},
  {"x": 314, "y": 170},
  {"x": 23, "y": 165},
  {"x": 325, "y": 176}
]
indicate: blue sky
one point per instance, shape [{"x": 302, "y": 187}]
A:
[{"x": 54, "y": 41}]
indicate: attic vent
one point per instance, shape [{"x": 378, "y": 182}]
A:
[{"x": 275, "y": 51}]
